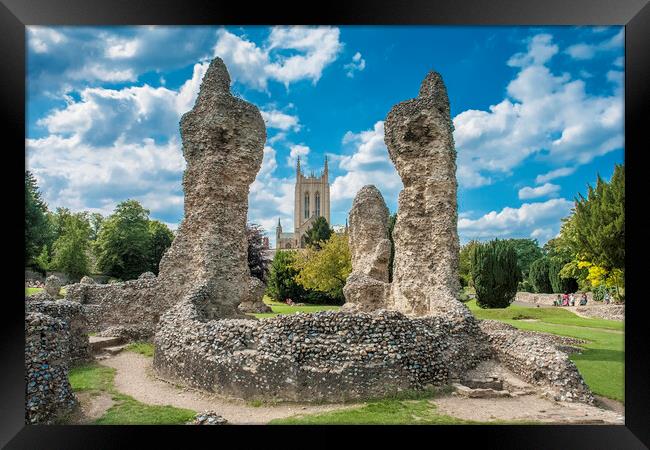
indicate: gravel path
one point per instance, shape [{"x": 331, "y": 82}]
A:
[
  {"x": 525, "y": 407},
  {"x": 134, "y": 377}
]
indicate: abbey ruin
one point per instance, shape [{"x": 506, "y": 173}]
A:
[{"x": 410, "y": 333}]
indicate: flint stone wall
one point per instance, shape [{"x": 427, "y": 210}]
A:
[
  {"x": 546, "y": 299},
  {"x": 610, "y": 312},
  {"x": 48, "y": 391},
  {"x": 537, "y": 358},
  {"x": 76, "y": 322},
  {"x": 134, "y": 303},
  {"x": 326, "y": 356}
]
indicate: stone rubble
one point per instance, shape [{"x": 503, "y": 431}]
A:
[
  {"x": 52, "y": 286},
  {"x": 208, "y": 418}
]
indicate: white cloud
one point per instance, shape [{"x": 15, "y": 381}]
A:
[
  {"x": 553, "y": 174},
  {"x": 357, "y": 64},
  {"x": 298, "y": 150},
  {"x": 545, "y": 190},
  {"x": 42, "y": 39},
  {"x": 541, "y": 219},
  {"x": 368, "y": 164},
  {"x": 547, "y": 115},
  {"x": 582, "y": 51},
  {"x": 122, "y": 48},
  {"x": 311, "y": 49},
  {"x": 280, "y": 120}
]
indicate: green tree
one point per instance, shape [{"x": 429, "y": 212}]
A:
[
  {"x": 96, "y": 221},
  {"x": 527, "y": 250},
  {"x": 560, "y": 284},
  {"x": 123, "y": 245},
  {"x": 319, "y": 231},
  {"x": 539, "y": 276},
  {"x": 465, "y": 263},
  {"x": 600, "y": 222},
  {"x": 71, "y": 248},
  {"x": 257, "y": 262},
  {"x": 282, "y": 282},
  {"x": 160, "y": 239},
  {"x": 36, "y": 225},
  {"x": 495, "y": 273},
  {"x": 391, "y": 226},
  {"x": 326, "y": 270}
]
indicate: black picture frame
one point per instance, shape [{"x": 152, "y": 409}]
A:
[{"x": 633, "y": 14}]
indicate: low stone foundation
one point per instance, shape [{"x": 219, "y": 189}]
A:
[
  {"x": 545, "y": 299},
  {"x": 609, "y": 312},
  {"x": 74, "y": 317},
  {"x": 134, "y": 303},
  {"x": 539, "y": 359},
  {"x": 326, "y": 356},
  {"x": 48, "y": 391}
]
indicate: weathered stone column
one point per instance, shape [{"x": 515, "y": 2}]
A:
[
  {"x": 223, "y": 140},
  {"x": 367, "y": 287},
  {"x": 418, "y": 134}
]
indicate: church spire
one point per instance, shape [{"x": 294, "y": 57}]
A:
[
  {"x": 298, "y": 167},
  {"x": 325, "y": 169}
]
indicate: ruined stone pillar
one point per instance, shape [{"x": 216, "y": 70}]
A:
[
  {"x": 367, "y": 287},
  {"x": 418, "y": 134},
  {"x": 223, "y": 140}
]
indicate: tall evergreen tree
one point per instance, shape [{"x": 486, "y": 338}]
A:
[
  {"x": 36, "y": 225},
  {"x": 160, "y": 239},
  {"x": 257, "y": 263},
  {"x": 495, "y": 273},
  {"x": 539, "y": 275},
  {"x": 319, "y": 231}
]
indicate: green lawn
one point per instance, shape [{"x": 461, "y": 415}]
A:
[
  {"x": 32, "y": 291},
  {"x": 602, "y": 363},
  {"x": 282, "y": 308},
  {"x": 95, "y": 378},
  {"x": 144, "y": 348}
]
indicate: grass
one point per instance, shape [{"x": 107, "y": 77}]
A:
[
  {"x": 144, "y": 348},
  {"x": 601, "y": 364},
  {"x": 32, "y": 291},
  {"x": 387, "y": 412},
  {"x": 282, "y": 308},
  {"x": 98, "y": 379}
]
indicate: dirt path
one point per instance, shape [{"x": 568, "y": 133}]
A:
[
  {"x": 525, "y": 407},
  {"x": 92, "y": 406},
  {"x": 134, "y": 378}
]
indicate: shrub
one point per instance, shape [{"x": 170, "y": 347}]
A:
[
  {"x": 539, "y": 276},
  {"x": 495, "y": 274},
  {"x": 525, "y": 286},
  {"x": 559, "y": 284}
]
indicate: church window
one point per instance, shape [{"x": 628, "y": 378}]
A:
[
  {"x": 306, "y": 205},
  {"x": 317, "y": 204}
]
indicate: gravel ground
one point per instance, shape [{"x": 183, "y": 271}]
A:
[{"x": 135, "y": 378}]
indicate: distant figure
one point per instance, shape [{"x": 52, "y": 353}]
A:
[
  {"x": 583, "y": 299},
  {"x": 607, "y": 298},
  {"x": 289, "y": 302},
  {"x": 565, "y": 299},
  {"x": 572, "y": 300},
  {"x": 558, "y": 301}
]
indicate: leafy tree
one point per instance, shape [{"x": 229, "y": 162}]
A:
[
  {"x": 123, "y": 245},
  {"x": 319, "y": 231},
  {"x": 600, "y": 223},
  {"x": 282, "y": 282},
  {"x": 391, "y": 226},
  {"x": 71, "y": 248},
  {"x": 36, "y": 225},
  {"x": 96, "y": 221},
  {"x": 539, "y": 275},
  {"x": 326, "y": 270},
  {"x": 43, "y": 260},
  {"x": 527, "y": 250},
  {"x": 257, "y": 263},
  {"x": 560, "y": 284},
  {"x": 495, "y": 273},
  {"x": 465, "y": 262},
  {"x": 160, "y": 239}
]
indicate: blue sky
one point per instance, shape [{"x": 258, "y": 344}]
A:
[{"x": 537, "y": 111}]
